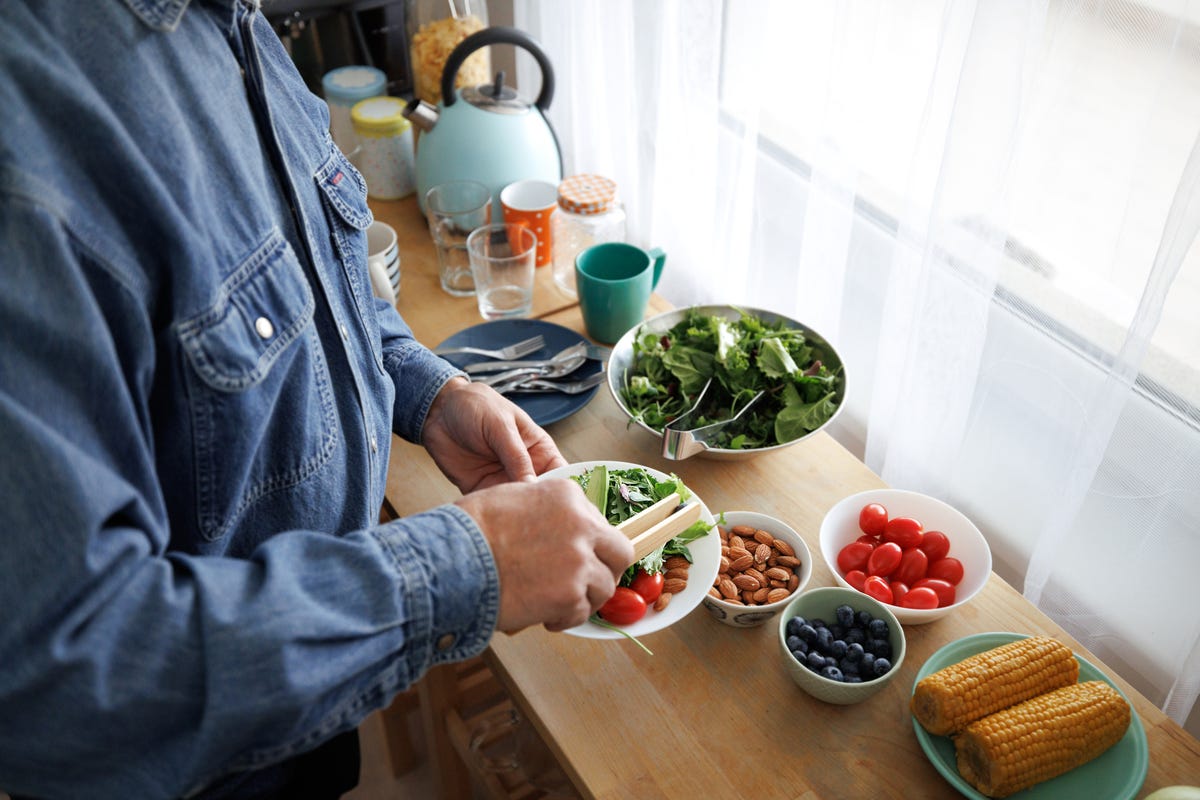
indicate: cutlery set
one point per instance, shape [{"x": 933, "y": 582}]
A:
[{"x": 508, "y": 374}]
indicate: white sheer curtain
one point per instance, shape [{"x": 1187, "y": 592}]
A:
[{"x": 990, "y": 208}]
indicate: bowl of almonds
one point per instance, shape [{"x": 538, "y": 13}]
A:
[{"x": 764, "y": 563}]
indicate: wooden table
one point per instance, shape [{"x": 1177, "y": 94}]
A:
[{"x": 712, "y": 714}]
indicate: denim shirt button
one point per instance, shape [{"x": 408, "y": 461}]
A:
[
  {"x": 374, "y": 445},
  {"x": 264, "y": 327},
  {"x": 445, "y": 642}
]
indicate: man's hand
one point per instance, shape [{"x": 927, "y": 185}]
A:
[
  {"x": 479, "y": 439},
  {"x": 558, "y": 558}
]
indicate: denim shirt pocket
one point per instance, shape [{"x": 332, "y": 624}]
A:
[
  {"x": 344, "y": 196},
  {"x": 261, "y": 403}
]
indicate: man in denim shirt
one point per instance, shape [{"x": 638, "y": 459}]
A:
[{"x": 197, "y": 395}]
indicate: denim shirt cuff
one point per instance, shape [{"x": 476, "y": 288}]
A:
[
  {"x": 448, "y": 582},
  {"x": 413, "y": 365}
]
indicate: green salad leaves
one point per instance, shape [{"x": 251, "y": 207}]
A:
[{"x": 743, "y": 356}]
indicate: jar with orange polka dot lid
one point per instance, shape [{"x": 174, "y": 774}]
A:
[{"x": 588, "y": 213}]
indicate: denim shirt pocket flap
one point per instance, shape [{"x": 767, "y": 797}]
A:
[
  {"x": 345, "y": 190},
  {"x": 263, "y": 307}
]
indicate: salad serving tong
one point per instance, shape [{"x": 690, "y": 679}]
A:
[{"x": 681, "y": 441}]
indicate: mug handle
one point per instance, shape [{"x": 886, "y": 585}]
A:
[{"x": 660, "y": 259}]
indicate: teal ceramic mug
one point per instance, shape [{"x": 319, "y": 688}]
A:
[{"x": 614, "y": 281}]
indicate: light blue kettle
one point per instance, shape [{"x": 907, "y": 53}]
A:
[{"x": 486, "y": 133}]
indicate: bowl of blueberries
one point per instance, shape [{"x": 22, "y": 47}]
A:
[{"x": 839, "y": 645}]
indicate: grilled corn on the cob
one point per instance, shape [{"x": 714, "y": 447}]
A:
[
  {"x": 950, "y": 699},
  {"x": 1041, "y": 738}
]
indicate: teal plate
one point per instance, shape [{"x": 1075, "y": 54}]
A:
[{"x": 1117, "y": 774}]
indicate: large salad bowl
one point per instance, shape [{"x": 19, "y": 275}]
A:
[{"x": 621, "y": 369}]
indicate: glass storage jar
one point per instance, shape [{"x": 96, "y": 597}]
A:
[
  {"x": 588, "y": 213},
  {"x": 343, "y": 87},
  {"x": 385, "y": 156},
  {"x": 435, "y": 27}
]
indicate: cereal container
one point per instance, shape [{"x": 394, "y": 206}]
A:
[
  {"x": 435, "y": 27},
  {"x": 385, "y": 139},
  {"x": 588, "y": 213},
  {"x": 343, "y": 87}
]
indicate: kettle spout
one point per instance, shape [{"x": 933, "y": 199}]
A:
[{"x": 421, "y": 114}]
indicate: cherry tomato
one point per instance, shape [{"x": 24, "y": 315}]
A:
[
  {"x": 856, "y": 578},
  {"x": 872, "y": 519},
  {"x": 854, "y": 556},
  {"x": 624, "y": 608},
  {"x": 868, "y": 539},
  {"x": 920, "y": 597},
  {"x": 948, "y": 569},
  {"x": 935, "y": 544},
  {"x": 904, "y": 531},
  {"x": 648, "y": 584},
  {"x": 884, "y": 559},
  {"x": 913, "y": 565},
  {"x": 944, "y": 591},
  {"x": 899, "y": 589},
  {"x": 877, "y": 587}
]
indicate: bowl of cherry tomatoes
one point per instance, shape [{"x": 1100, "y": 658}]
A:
[{"x": 914, "y": 553}]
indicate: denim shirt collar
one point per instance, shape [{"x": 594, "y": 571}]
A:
[{"x": 164, "y": 15}]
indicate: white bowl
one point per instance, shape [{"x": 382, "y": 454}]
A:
[
  {"x": 840, "y": 527},
  {"x": 622, "y": 359},
  {"x": 745, "y": 616},
  {"x": 820, "y": 603}
]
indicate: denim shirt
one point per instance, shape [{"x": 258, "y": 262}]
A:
[{"x": 197, "y": 395}]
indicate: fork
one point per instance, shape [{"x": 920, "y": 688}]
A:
[
  {"x": 522, "y": 348},
  {"x": 540, "y": 385}
]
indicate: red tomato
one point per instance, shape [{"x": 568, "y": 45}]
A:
[
  {"x": 868, "y": 539},
  {"x": 944, "y": 591},
  {"x": 624, "y": 608},
  {"x": 856, "y": 578},
  {"x": 878, "y": 588},
  {"x": 920, "y": 597},
  {"x": 912, "y": 567},
  {"x": 648, "y": 584},
  {"x": 898, "y": 591},
  {"x": 935, "y": 544},
  {"x": 904, "y": 531},
  {"x": 854, "y": 556},
  {"x": 872, "y": 519},
  {"x": 884, "y": 559},
  {"x": 948, "y": 569}
]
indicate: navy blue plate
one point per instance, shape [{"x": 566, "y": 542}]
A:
[{"x": 543, "y": 407}]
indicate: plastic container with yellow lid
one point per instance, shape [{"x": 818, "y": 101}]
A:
[{"x": 385, "y": 141}]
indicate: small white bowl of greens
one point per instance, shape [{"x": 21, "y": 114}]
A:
[{"x": 658, "y": 369}]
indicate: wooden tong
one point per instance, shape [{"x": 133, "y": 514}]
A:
[{"x": 652, "y": 527}]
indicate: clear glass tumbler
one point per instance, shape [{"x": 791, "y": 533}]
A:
[
  {"x": 454, "y": 209},
  {"x": 502, "y": 263}
]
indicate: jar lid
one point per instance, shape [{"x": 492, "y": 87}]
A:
[
  {"x": 353, "y": 83},
  {"x": 586, "y": 194},
  {"x": 379, "y": 115}
]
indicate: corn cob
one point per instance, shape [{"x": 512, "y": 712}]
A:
[
  {"x": 1041, "y": 738},
  {"x": 952, "y": 698}
]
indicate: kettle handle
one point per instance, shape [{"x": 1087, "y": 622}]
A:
[{"x": 497, "y": 35}]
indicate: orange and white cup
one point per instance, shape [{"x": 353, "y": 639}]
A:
[{"x": 531, "y": 203}]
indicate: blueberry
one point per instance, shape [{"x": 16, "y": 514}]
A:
[
  {"x": 864, "y": 618},
  {"x": 853, "y": 679},
  {"x": 794, "y": 642},
  {"x": 878, "y": 628},
  {"x": 815, "y": 661},
  {"x": 793, "y": 626},
  {"x": 830, "y": 661},
  {"x": 854, "y": 652},
  {"x": 882, "y": 648},
  {"x": 808, "y": 633},
  {"x": 839, "y": 648},
  {"x": 848, "y": 667},
  {"x": 856, "y": 635},
  {"x": 801, "y": 657},
  {"x": 845, "y": 616},
  {"x": 838, "y": 630},
  {"x": 866, "y": 664},
  {"x": 881, "y": 667},
  {"x": 818, "y": 623},
  {"x": 833, "y": 673},
  {"x": 824, "y": 639}
]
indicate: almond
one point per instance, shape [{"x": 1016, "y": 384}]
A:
[
  {"x": 778, "y": 574},
  {"x": 761, "y": 595},
  {"x": 713, "y": 593},
  {"x": 762, "y": 553},
  {"x": 676, "y": 573},
  {"x": 748, "y": 597},
  {"x": 777, "y": 584},
  {"x": 676, "y": 562},
  {"x": 764, "y": 537},
  {"x": 775, "y": 595},
  {"x": 783, "y": 547},
  {"x": 740, "y": 564},
  {"x": 677, "y": 585},
  {"x": 743, "y": 530},
  {"x": 737, "y": 542},
  {"x": 724, "y": 564},
  {"x": 758, "y": 576},
  {"x": 793, "y": 583},
  {"x": 787, "y": 561},
  {"x": 726, "y": 588},
  {"x": 746, "y": 582},
  {"x": 665, "y": 598}
]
